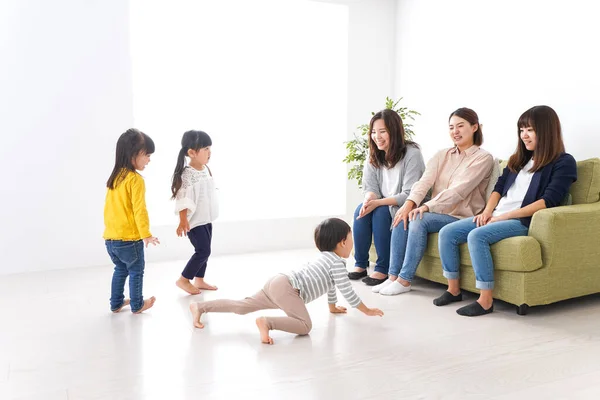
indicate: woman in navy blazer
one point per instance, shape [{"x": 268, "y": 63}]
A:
[{"x": 538, "y": 175}]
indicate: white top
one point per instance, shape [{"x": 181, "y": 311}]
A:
[
  {"x": 390, "y": 180},
  {"x": 198, "y": 193},
  {"x": 515, "y": 195},
  {"x": 324, "y": 275}
]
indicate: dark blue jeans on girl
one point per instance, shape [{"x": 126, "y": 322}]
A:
[
  {"x": 201, "y": 237},
  {"x": 128, "y": 257}
]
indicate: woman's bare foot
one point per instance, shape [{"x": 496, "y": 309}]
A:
[
  {"x": 196, "y": 314},
  {"x": 378, "y": 275},
  {"x": 185, "y": 285},
  {"x": 200, "y": 284},
  {"x": 263, "y": 328},
  {"x": 148, "y": 303},
  {"x": 125, "y": 303}
]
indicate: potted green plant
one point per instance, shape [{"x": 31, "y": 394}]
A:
[{"x": 358, "y": 147}]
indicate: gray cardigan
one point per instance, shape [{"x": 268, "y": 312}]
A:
[{"x": 412, "y": 167}]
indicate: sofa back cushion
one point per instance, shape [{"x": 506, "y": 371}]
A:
[{"x": 587, "y": 188}]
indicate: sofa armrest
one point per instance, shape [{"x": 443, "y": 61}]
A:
[{"x": 569, "y": 236}]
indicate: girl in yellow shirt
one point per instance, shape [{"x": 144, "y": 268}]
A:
[{"x": 127, "y": 227}]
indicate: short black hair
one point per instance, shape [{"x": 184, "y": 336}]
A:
[{"x": 331, "y": 232}]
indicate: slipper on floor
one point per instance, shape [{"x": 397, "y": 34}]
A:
[
  {"x": 373, "y": 281},
  {"x": 357, "y": 275}
]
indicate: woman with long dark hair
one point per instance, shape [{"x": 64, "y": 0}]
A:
[{"x": 538, "y": 175}]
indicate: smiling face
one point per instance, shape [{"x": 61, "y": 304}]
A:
[
  {"x": 380, "y": 135},
  {"x": 528, "y": 137},
  {"x": 461, "y": 132}
]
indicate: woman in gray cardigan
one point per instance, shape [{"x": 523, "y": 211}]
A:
[{"x": 394, "y": 165}]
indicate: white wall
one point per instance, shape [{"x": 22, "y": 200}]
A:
[
  {"x": 371, "y": 58},
  {"x": 65, "y": 79},
  {"x": 65, "y": 88},
  {"x": 500, "y": 59}
]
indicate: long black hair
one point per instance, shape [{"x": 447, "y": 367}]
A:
[
  {"x": 130, "y": 144},
  {"x": 398, "y": 143},
  {"x": 550, "y": 145},
  {"x": 192, "y": 140}
]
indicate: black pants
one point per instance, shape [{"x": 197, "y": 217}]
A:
[{"x": 200, "y": 237}]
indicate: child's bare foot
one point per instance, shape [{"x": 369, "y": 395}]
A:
[
  {"x": 263, "y": 328},
  {"x": 196, "y": 314},
  {"x": 200, "y": 284},
  {"x": 148, "y": 303},
  {"x": 125, "y": 303},
  {"x": 186, "y": 286}
]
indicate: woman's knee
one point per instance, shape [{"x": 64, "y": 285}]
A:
[
  {"x": 357, "y": 211},
  {"x": 417, "y": 225},
  {"x": 447, "y": 235},
  {"x": 476, "y": 236}
]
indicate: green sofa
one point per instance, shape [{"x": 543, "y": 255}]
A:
[{"x": 558, "y": 260}]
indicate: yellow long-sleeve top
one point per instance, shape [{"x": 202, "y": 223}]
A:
[{"x": 125, "y": 214}]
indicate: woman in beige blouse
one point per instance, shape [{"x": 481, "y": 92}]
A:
[{"x": 458, "y": 178}]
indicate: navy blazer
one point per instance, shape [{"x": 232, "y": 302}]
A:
[{"x": 551, "y": 183}]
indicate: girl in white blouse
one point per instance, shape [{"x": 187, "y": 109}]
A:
[{"x": 194, "y": 192}]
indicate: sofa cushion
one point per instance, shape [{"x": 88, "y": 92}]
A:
[
  {"x": 587, "y": 188},
  {"x": 520, "y": 254}
]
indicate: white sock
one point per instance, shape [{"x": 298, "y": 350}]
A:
[
  {"x": 377, "y": 288},
  {"x": 394, "y": 288}
]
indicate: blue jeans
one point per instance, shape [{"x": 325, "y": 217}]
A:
[
  {"x": 128, "y": 258},
  {"x": 373, "y": 227},
  {"x": 408, "y": 247},
  {"x": 479, "y": 240}
]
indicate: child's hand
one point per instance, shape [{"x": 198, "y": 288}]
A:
[
  {"x": 152, "y": 240},
  {"x": 183, "y": 228},
  {"x": 337, "y": 309},
  {"x": 374, "y": 312}
]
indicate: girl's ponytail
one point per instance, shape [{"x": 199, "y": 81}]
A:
[
  {"x": 192, "y": 140},
  {"x": 177, "y": 181}
]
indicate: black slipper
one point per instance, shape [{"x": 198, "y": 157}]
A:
[
  {"x": 357, "y": 275},
  {"x": 373, "y": 281},
  {"x": 447, "y": 298},
  {"x": 474, "y": 310}
]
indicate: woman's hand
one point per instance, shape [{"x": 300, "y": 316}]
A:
[
  {"x": 483, "y": 218},
  {"x": 367, "y": 207},
  {"x": 419, "y": 211},
  {"x": 501, "y": 217},
  {"x": 402, "y": 214}
]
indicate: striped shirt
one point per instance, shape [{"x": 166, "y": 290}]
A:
[{"x": 322, "y": 276}]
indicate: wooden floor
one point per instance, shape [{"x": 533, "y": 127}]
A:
[{"x": 59, "y": 341}]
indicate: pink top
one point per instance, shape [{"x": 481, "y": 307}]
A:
[{"x": 459, "y": 181}]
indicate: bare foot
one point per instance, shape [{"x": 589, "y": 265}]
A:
[
  {"x": 125, "y": 303},
  {"x": 196, "y": 314},
  {"x": 200, "y": 284},
  {"x": 148, "y": 303},
  {"x": 263, "y": 328},
  {"x": 186, "y": 286}
]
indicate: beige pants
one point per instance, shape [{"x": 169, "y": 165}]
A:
[{"x": 277, "y": 293}]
